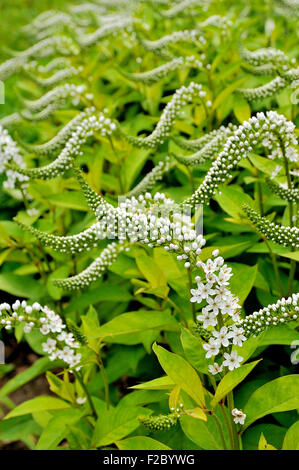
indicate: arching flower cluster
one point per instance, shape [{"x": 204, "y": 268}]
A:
[
  {"x": 57, "y": 95},
  {"x": 160, "y": 46},
  {"x": 95, "y": 270},
  {"x": 151, "y": 178},
  {"x": 124, "y": 23},
  {"x": 277, "y": 84},
  {"x": 56, "y": 78},
  {"x": 181, "y": 97},
  {"x": 269, "y": 130},
  {"x": 283, "y": 235},
  {"x": 154, "y": 221},
  {"x": 56, "y": 44},
  {"x": 84, "y": 129},
  {"x": 59, "y": 344},
  {"x": 284, "y": 310},
  {"x": 265, "y": 56},
  {"x": 212, "y": 145},
  {"x": 49, "y": 23},
  {"x": 42, "y": 108},
  {"x": 61, "y": 137},
  {"x": 53, "y": 64},
  {"x": 291, "y": 195},
  {"x": 10, "y": 152},
  {"x": 152, "y": 76},
  {"x": 182, "y": 7}
]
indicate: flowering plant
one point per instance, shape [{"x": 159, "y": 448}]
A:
[{"x": 155, "y": 328}]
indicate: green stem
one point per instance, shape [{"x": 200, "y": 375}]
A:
[
  {"x": 275, "y": 266},
  {"x": 220, "y": 430},
  {"x": 191, "y": 178},
  {"x": 260, "y": 196},
  {"x": 106, "y": 384},
  {"x": 230, "y": 436},
  {"x": 235, "y": 437},
  {"x": 80, "y": 380}
]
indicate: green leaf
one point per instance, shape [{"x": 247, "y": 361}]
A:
[
  {"x": 150, "y": 270},
  {"x": 182, "y": 373},
  {"x": 278, "y": 395},
  {"x": 263, "y": 444},
  {"x": 241, "y": 109},
  {"x": 204, "y": 433},
  {"x": 19, "y": 428},
  {"x": 263, "y": 164},
  {"x": 90, "y": 323},
  {"x": 291, "y": 439},
  {"x": 141, "y": 443},
  {"x": 21, "y": 286},
  {"x": 274, "y": 435},
  {"x": 162, "y": 383},
  {"x": 194, "y": 351},
  {"x": 116, "y": 423},
  {"x": 242, "y": 280},
  {"x": 231, "y": 380},
  {"x": 126, "y": 327},
  {"x": 231, "y": 201},
  {"x": 38, "y": 368},
  {"x": 37, "y": 404},
  {"x": 69, "y": 200},
  {"x": 226, "y": 92},
  {"x": 57, "y": 428}
]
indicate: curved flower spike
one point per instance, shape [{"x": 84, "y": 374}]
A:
[
  {"x": 160, "y": 45},
  {"x": 284, "y": 310},
  {"x": 152, "y": 76},
  {"x": 83, "y": 241},
  {"x": 64, "y": 161},
  {"x": 180, "y": 98},
  {"x": 149, "y": 181},
  {"x": 291, "y": 195},
  {"x": 207, "y": 152},
  {"x": 58, "y": 140},
  {"x": 272, "y": 126},
  {"x": 283, "y": 235},
  {"x": 263, "y": 56},
  {"x": 57, "y": 95},
  {"x": 56, "y": 78},
  {"x": 94, "y": 271}
]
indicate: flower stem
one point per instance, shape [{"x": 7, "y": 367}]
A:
[
  {"x": 106, "y": 385},
  {"x": 218, "y": 424},
  {"x": 80, "y": 380},
  {"x": 275, "y": 266},
  {"x": 230, "y": 436},
  {"x": 230, "y": 404}
]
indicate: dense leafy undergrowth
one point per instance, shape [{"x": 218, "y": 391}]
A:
[{"x": 123, "y": 123}]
